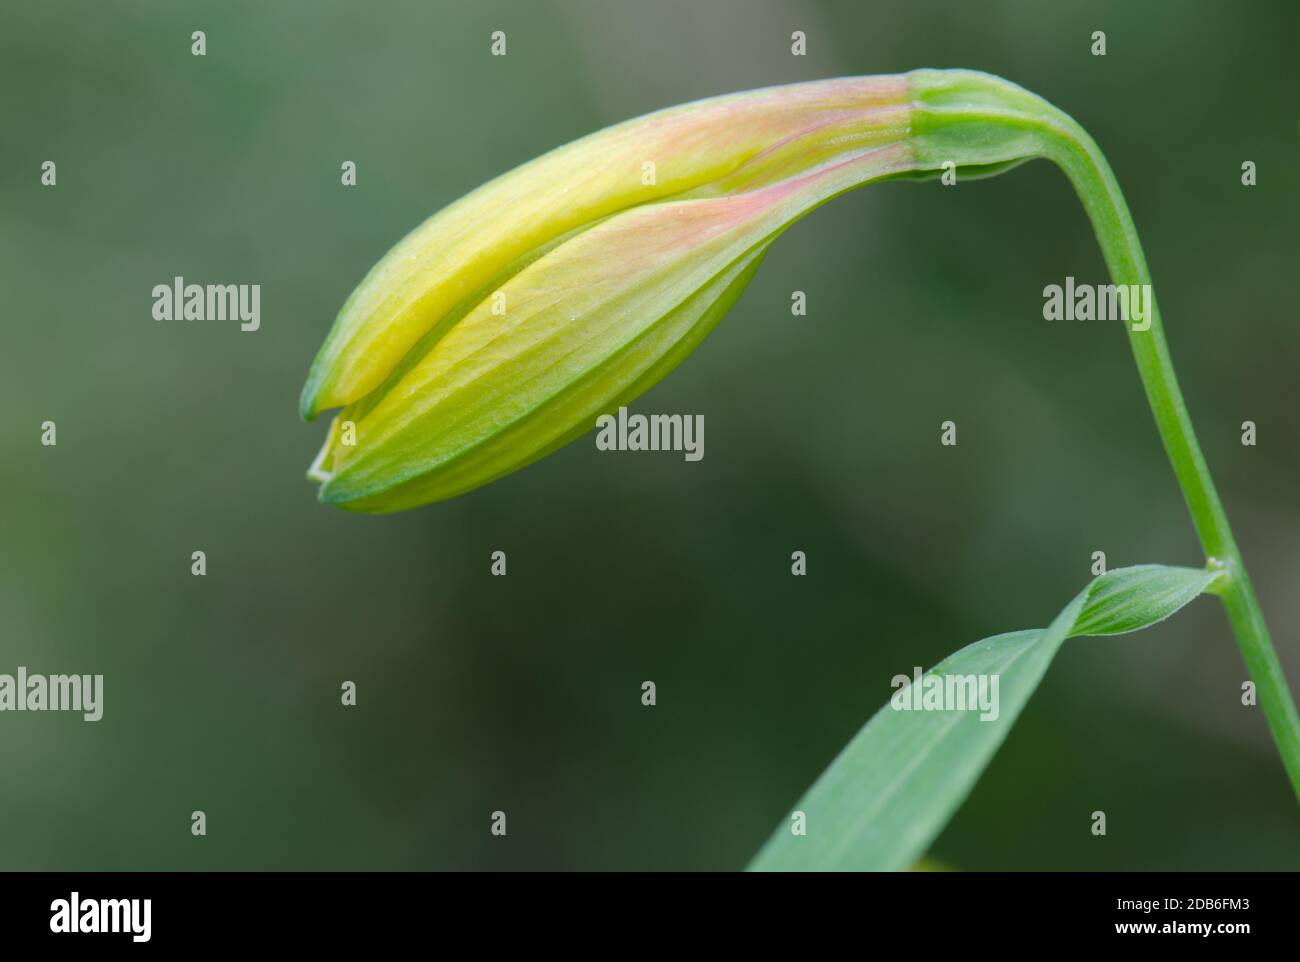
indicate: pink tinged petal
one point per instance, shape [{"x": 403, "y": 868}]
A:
[
  {"x": 714, "y": 147},
  {"x": 589, "y": 325}
]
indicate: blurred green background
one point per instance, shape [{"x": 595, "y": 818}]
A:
[{"x": 523, "y": 693}]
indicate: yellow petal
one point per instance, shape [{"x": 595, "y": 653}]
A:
[
  {"x": 458, "y": 256},
  {"x": 587, "y": 326}
]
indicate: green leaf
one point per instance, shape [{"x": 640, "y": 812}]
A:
[{"x": 893, "y": 788}]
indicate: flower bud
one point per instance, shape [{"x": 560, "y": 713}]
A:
[{"x": 502, "y": 327}]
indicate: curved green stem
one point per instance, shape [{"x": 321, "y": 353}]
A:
[{"x": 978, "y": 121}]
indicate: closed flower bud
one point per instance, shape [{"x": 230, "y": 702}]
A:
[{"x": 502, "y": 327}]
